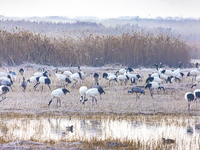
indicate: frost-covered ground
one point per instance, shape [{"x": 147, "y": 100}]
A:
[{"x": 115, "y": 101}]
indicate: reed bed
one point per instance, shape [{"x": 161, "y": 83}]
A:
[{"x": 132, "y": 49}]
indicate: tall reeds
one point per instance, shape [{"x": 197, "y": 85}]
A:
[{"x": 137, "y": 48}]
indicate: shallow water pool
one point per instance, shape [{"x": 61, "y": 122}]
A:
[{"x": 184, "y": 132}]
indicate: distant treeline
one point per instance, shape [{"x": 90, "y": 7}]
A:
[
  {"x": 131, "y": 49},
  {"x": 186, "y": 29}
]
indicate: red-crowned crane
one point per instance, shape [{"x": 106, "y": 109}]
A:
[
  {"x": 68, "y": 73},
  {"x": 153, "y": 85},
  {"x": 123, "y": 78},
  {"x": 43, "y": 80},
  {"x": 40, "y": 74},
  {"x": 62, "y": 78},
  {"x": 189, "y": 96},
  {"x": 5, "y": 83},
  {"x": 3, "y": 91},
  {"x": 193, "y": 73},
  {"x": 92, "y": 93},
  {"x": 96, "y": 77},
  {"x": 197, "y": 94},
  {"x": 123, "y": 70},
  {"x": 21, "y": 71},
  {"x": 58, "y": 93},
  {"x": 82, "y": 92},
  {"x": 154, "y": 79}
]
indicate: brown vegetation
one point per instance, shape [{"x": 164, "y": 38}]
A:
[
  {"x": 133, "y": 49},
  {"x": 116, "y": 103}
]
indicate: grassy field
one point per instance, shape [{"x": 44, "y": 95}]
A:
[{"x": 115, "y": 101}]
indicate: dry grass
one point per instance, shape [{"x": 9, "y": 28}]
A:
[
  {"x": 137, "y": 48},
  {"x": 115, "y": 104},
  {"x": 115, "y": 101}
]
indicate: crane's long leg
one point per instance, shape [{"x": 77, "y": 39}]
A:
[
  {"x": 136, "y": 97},
  {"x": 11, "y": 88},
  {"x": 125, "y": 82},
  {"x": 196, "y": 102},
  {"x": 100, "y": 97},
  {"x": 92, "y": 101},
  {"x": 75, "y": 83},
  {"x": 49, "y": 87},
  {"x": 50, "y": 102},
  {"x": 139, "y": 95},
  {"x": 189, "y": 106},
  {"x": 57, "y": 102},
  {"x": 3, "y": 98},
  {"x": 36, "y": 85},
  {"x": 151, "y": 92},
  {"x": 95, "y": 100},
  {"x": 60, "y": 102}
]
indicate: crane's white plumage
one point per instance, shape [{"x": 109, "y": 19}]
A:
[
  {"x": 3, "y": 74},
  {"x": 3, "y": 90},
  {"x": 6, "y": 82},
  {"x": 122, "y": 78},
  {"x": 43, "y": 80},
  {"x": 189, "y": 96},
  {"x": 153, "y": 85},
  {"x": 82, "y": 91},
  {"x": 67, "y": 73},
  {"x": 130, "y": 75},
  {"x": 75, "y": 77},
  {"x": 62, "y": 78},
  {"x": 198, "y": 78},
  {"x": 58, "y": 93},
  {"x": 177, "y": 71},
  {"x": 193, "y": 73},
  {"x": 33, "y": 79},
  {"x": 197, "y": 94},
  {"x": 124, "y": 70},
  {"x": 7, "y": 78},
  {"x": 40, "y": 74},
  {"x": 154, "y": 79},
  {"x": 93, "y": 92},
  {"x": 112, "y": 78},
  {"x": 155, "y": 75}
]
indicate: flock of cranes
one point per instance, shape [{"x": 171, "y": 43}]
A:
[{"x": 122, "y": 76}]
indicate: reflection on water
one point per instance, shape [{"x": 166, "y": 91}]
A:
[{"x": 144, "y": 129}]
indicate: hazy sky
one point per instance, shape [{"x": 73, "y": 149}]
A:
[{"x": 100, "y": 8}]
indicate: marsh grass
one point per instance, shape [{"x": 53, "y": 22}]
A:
[
  {"x": 132, "y": 49},
  {"x": 116, "y": 105},
  {"x": 115, "y": 101}
]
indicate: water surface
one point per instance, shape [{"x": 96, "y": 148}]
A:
[{"x": 148, "y": 130}]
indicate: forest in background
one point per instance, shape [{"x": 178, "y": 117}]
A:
[{"x": 97, "y": 44}]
